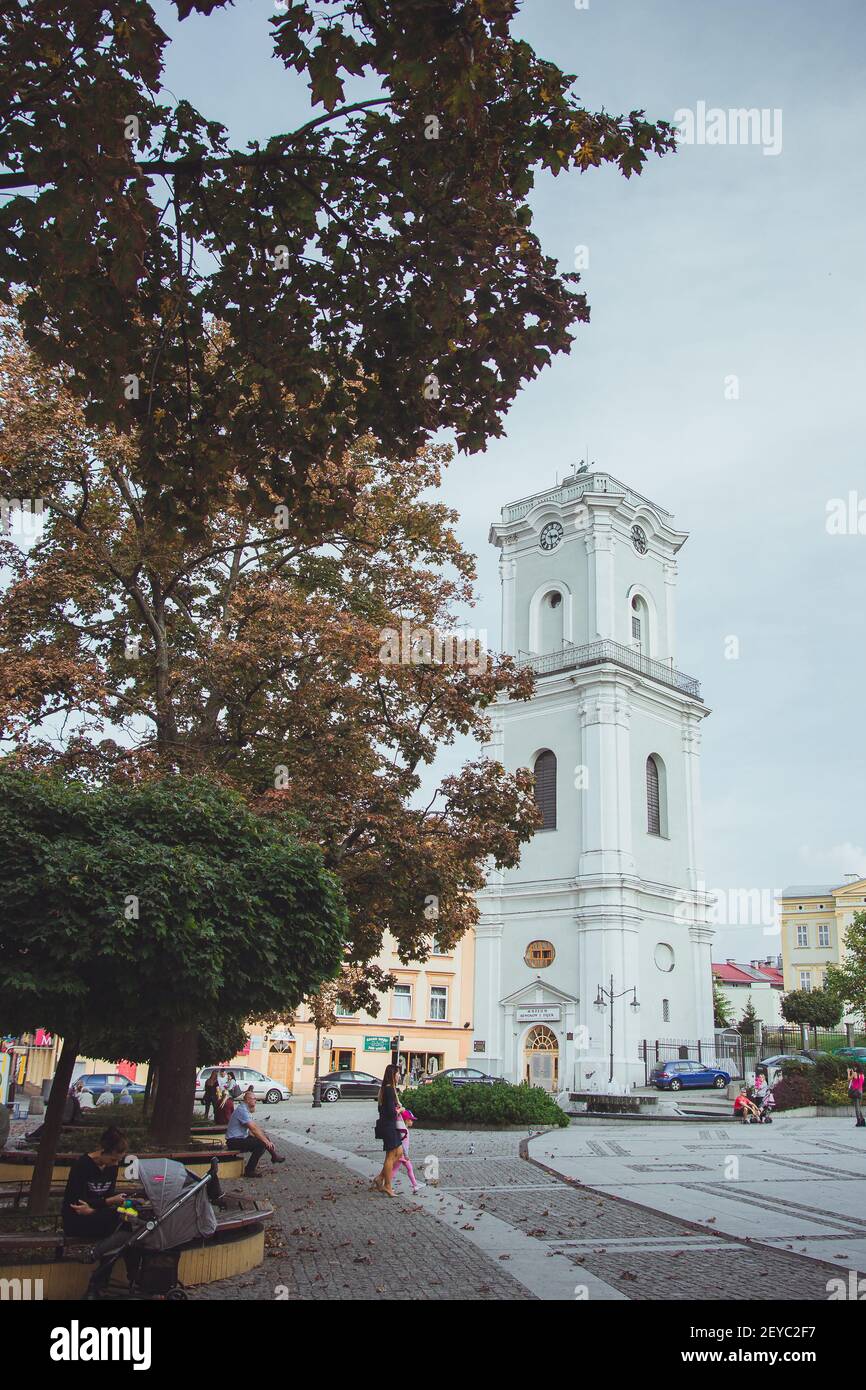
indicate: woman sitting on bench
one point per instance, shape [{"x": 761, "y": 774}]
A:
[{"x": 90, "y": 1198}]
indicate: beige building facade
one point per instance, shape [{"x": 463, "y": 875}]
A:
[
  {"x": 429, "y": 1010},
  {"x": 814, "y": 919}
]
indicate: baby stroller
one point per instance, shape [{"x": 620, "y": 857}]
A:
[{"x": 182, "y": 1210}]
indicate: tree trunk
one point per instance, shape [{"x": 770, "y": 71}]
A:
[
  {"x": 40, "y": 1183},
  {"x": 149, "y": 1088},
  {"x": 175, "y": 1095}
]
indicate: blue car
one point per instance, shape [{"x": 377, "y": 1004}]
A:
[
  {"x": 675, "y": 1076},
  {"x": 97, "y": 1082}
]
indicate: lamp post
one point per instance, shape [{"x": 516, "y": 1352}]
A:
[
  {"x": 601, "y": 995},
  {"x": 317, "y": 1085}
]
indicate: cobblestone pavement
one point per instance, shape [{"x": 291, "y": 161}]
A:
[
  {"x": 333, "y": 1238},
  {"x": 643, "y": 1253}
]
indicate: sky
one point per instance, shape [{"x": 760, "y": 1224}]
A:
[{"x": 721, "y": 262}]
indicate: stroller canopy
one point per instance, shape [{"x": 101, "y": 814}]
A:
[{"x": 164, "y": 1181}]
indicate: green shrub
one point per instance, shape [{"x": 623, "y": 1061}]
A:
[
  {"x": 835, "y": 1093},
  {"x": 500, "y": 1104}
]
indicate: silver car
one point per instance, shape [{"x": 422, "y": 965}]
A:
[{"x": 264, "y": 1087}]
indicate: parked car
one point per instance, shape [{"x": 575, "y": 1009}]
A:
[
  {"x": 675, "y": 1076},
  {"x": 349, "y": 1085},
  {"x": 264, "y": 1087},
  {"x": 99, "y": 1081},
  {"x": 809, "y": 1057},
  {"x": 851, "y": 1054},
  {"x": 462, "y": 1076}
]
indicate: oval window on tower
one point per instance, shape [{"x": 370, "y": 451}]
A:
[{"x": 539, "y": 954}]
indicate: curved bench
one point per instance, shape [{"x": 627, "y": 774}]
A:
[
  {"x": 16, "y": 1165},
  {"x": 63, "y": 1266}
]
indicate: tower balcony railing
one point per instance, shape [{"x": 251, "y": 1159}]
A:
[{"x": 569, "y": 657}]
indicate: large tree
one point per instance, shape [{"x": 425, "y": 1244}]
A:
[
  {"x": 847, "y": 981},
  {"x": 163, "y": 909},
  {"x": 243, "y": 316},
  {"x": 282, "y": 666}
]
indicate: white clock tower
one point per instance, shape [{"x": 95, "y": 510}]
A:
[{"x": 608, "y": 897}]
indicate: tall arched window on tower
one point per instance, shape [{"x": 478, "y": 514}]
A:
[
  {"x": 551, "y": 620},
  {"x": 545, "y": 788},
  {"x": 640, "y": 627},
  {"x": 656, "y": 796}
]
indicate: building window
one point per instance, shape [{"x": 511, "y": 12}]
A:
[
  {"x": 539, "y": 954},
  {"x": 806, "y": 979},
  {"x": 545, "y": 788},
  {"x": 802, "y": 934},
  {"x": 640, "y": 624},
  {"x": 666, "y": 1011},
  {"x": 401, "y": 1002},
  {"x": 655, "y": 817},
  {"x": 342, "y": 1012},
  {"x": 439, "y": 1002},
  {"x": 824, "y": 934},
  {"x": 438, "y": 950}
]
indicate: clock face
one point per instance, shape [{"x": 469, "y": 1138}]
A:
[
  {"x": 551, "y": 536},
  {"x": 639, "y": 540}
]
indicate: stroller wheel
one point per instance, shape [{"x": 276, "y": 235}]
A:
[{"x": 176, "y": 1296}]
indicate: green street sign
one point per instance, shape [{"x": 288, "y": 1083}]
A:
[{"x": 377, "y": 1044}]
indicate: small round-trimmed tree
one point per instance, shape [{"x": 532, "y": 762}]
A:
[{"x": 166, "y": 909}]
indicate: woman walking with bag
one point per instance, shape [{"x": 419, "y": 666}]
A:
[
  {"x": 855, "y": 1091},
  {"x": 388, "y": 1130}
]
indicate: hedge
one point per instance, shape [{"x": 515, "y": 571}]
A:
[{"x": 499, "y": 1104}]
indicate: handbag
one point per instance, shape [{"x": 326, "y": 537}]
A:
[{"x": 378, "y": 1130}]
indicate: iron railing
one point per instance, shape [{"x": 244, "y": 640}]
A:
[
  {"x": 569, "y": 657},
  {"x": 573, "y": 488}
]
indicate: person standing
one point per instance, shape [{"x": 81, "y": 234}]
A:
[
  {"x": 211, "y": 1087},
  {"x": 855, "y": 1091},
  {"x": 387, "y": 1129}
]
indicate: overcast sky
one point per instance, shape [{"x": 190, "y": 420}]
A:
[{"x": 719, "y": 261}]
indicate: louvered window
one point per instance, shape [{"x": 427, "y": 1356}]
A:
[
  {"x": 545, "y": 788},
  {"x": 653, "y": 814}
]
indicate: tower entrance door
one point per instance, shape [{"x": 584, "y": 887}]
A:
[{"x": 541, "y": 1058}]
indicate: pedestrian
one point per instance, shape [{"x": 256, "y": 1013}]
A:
[
  {"x": 855, "y": 1091},
  {"x": 90, "y": 1199},
  {"x": 244, "y": 1135},
  {"x": 387, "y": 1129},
  {"x": 107, "y": 1098},
  {"x": 405, "y": 1121},
  {"x": 211, "y": 1087},
  {"x": 124, "y": 1098}
]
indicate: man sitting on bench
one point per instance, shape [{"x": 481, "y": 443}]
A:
[{"x": 244, "y": 1134}]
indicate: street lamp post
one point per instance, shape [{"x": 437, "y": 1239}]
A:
[
  {"x": 317, "y": 1085},
  {"x": 601, "y": 995}
]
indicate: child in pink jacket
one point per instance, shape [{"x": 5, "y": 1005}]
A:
[{"x": 405, "y": 1121}]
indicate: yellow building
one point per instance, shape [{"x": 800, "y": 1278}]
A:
[
  {"x": 429, "y": 1009},
  {"x": 814, "y": 919}
]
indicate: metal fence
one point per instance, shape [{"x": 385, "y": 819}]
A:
[
  {"x": 793, "y": 1039},
  {"x": 729, "y": 1050}
]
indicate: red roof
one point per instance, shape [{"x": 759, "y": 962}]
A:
[{"x": 748, "y": 975}]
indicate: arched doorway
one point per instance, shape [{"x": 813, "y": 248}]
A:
[{"x": 541, "y": 1058}]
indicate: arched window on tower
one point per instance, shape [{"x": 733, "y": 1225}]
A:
[
  {"x": 640, "y": 626},
  {"x": 656, "y": 796},
  {"x": 551, "y": 630},
  {"x": 545, "y": 788}
]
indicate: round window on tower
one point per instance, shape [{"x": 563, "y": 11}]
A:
[
  {"x": 554, "y": 599},
  {"x": 540, "y": 954},
  {"x": 664, "y": 957}
]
